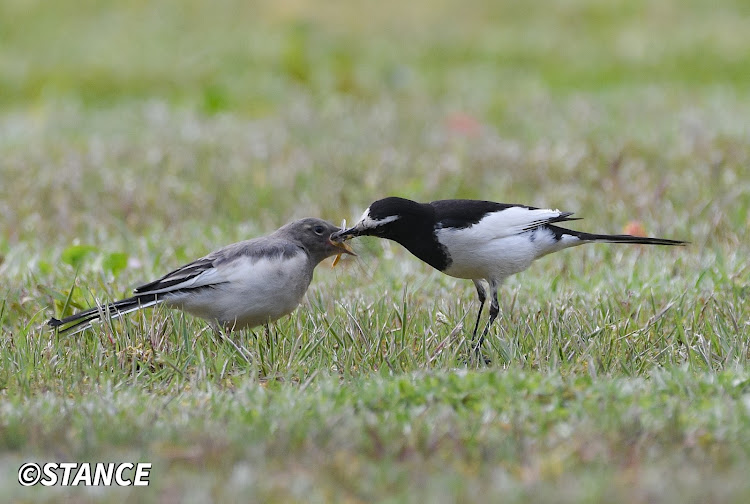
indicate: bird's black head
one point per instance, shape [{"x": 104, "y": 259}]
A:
[
  {"x": 404, "y": 221},
  {"x": 392, "y": 218}
]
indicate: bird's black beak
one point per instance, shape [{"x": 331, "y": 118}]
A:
[{"x": 344, "y": 235}]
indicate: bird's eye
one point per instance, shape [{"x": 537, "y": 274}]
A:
[{"x": 319, "y": 229}]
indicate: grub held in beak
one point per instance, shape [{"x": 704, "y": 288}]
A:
[{"x": 342, "y": 236}]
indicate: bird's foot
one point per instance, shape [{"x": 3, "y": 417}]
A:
[{"x": 476, "y": 357}]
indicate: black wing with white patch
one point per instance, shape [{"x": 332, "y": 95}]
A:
[
  {"x": 496, "y": 220},
  {"x": 460, "y": 214}
]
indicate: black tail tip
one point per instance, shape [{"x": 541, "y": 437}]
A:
[{"x": 54, "y": 323}]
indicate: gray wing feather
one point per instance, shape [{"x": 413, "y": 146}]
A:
[
  {"x": 178, "y": 276},
  {"x": 255, "y": 249}
]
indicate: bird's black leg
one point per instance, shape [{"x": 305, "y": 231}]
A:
[
  {"x": 494, "y": 311},
  {"x": 482, "y": 297}
]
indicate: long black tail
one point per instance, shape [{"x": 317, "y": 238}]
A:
[
  {"x": 643, "y": 240},
  {"x": 81, "y": 320}
]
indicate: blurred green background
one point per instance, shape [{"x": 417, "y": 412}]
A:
[{"x": 249, "y": 57}]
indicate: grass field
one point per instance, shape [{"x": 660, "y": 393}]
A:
[{"x": 136, "y": 136}]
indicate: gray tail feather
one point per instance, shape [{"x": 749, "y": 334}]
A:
[
  {"x": 82, "y": 320},
  {"x": 643, "y": 240}
]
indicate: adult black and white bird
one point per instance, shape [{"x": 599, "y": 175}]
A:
[
  {"x": 477, "y": 240},
  {"x": 239, "y": 286}
]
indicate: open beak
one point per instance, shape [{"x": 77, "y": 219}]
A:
[
  {"x": 343, "y": 246},
  {"x": 338, "y": 240}
]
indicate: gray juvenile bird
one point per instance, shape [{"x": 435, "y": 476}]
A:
[
  {"x": 477, "y": 240},
  {"x": 242, "y": 285}
]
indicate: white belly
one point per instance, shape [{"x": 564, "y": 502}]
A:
[{"x": 495, "y": 259}]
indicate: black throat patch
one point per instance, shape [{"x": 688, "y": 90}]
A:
[{"x": 426, "y": 247}]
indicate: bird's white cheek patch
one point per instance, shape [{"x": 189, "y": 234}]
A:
[{"x": 367, "y": 222}]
